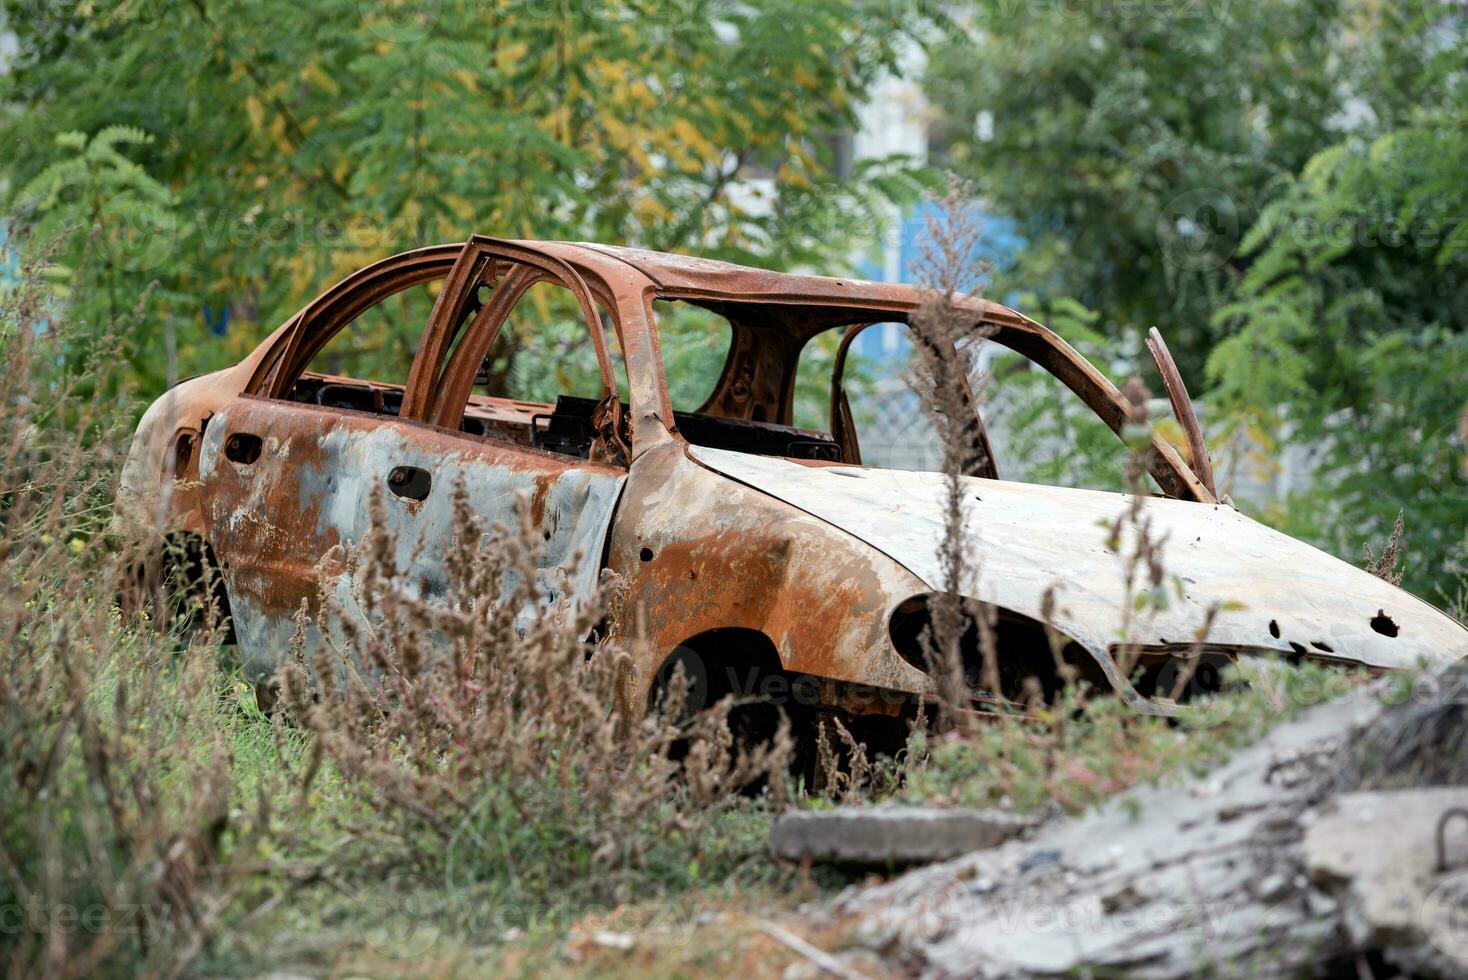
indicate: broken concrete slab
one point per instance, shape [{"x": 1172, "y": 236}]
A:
[
  {"x": 1381, "y": 849},
  {"x": 1165, "y": 881},
  {"x": 891, "y": 835},
  {"x": 1277, "y": 863}
]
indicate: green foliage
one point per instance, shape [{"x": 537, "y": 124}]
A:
[
  {"x": 95, "y": 177},
  {"x": 117, "y": 221},
  {"x": 299, "y": 141},
  {"x": 1084, "y": 749},
  {"x": 1278, "y": 187},
  {"x": 1351, "y": 328},
  {"x": 1106, "y": 118}
]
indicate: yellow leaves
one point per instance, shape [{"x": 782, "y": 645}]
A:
[
  {"x": 804, "y": 78},
  {"x": 314, "y": 74},
  {"x": 303, "y": 274},
  {"x": 641, "y": 95},
  {"x": 255, "y": 110},
  {"x": 466, "y": 78},
  {"x": 650, "y": 212},
  {"x": 462, "y": 208},
  {"x": 276, "y": 132},
  {"x": 1260, "y": 436},
  {"x": 557, "y": 122},
  {"x": 617, "y": 83},
  {"x": 508, "y": 55},
  {"x": 619, "y": 75},
  {"x": 605, "y": 69},
  {"x": 639, "y": 156},
  {"x": 615, "y": 133},
  {"x": 273, "y": 128},
  {"x": 798, "y": 166},
  {"x": 792, "y": 176},
  {"x": 690, "y": 149},
  {"x": 1173, "y": 434}
]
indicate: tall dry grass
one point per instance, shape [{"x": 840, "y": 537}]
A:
[
  {"x": 490, "y": 735},
  {"x": 946, "y": 335},
  {"x": 118, "y": 815}
]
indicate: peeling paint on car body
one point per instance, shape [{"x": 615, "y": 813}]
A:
[
  {"x": 1274, "y": 592},
  {"x": 810, "y": 557}
]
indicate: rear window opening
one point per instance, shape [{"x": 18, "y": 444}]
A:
[{"x": 719, "y": 394}]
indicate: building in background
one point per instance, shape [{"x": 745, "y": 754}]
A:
[{"x": 897, "y": 120}]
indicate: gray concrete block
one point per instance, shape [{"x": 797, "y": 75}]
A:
[{"x": 890, "y": 835}]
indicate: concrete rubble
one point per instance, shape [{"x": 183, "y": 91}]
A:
[
  {"x": 1271, "y": 865},
  {"x": 890, "y": 835}
]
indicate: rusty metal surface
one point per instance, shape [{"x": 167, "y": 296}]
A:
[
  {"x": 699, "y": 552},
  {"x": 1028, "y": 539},
  {"x": 805, "y": 305},
  {"x": 280, "y": 521},
  {"x": 478, "y": 262},
  {"x": 284, "y": 356},
  {"x": 813, "y": 558},
  {"x": 1182, "y": 408}
]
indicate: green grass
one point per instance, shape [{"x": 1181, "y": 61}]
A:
[
  {"x": 326, "y": 885},
  {"x": 1085, "y": 748},
  {"x": 493, "y": 912}
]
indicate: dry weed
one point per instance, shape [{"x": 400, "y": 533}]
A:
[
  {"x": 117, "y": 804},
  {"x": 1385, "y": 567},
  {"x": 945, "y": 335},
  {"x": 493, "y": 729}
]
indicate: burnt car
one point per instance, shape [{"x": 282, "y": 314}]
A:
[{"x": 751, "y": 549}]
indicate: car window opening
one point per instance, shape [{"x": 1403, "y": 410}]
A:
[{"x": 536, "y": 387}]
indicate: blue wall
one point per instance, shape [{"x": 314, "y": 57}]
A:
[{"x": 998, "y": 242}]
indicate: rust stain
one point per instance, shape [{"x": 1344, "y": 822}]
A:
[
  {"x": 543, "y": 484},
  {"x": 699, "y": 550}
]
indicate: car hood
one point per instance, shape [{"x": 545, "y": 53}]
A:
[{"x": 1274, "y": 592}]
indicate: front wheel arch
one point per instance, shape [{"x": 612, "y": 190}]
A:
[{"x": 178, "y": 582}]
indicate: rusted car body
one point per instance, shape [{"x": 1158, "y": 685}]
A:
[{"x": 747, "y": 547}]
